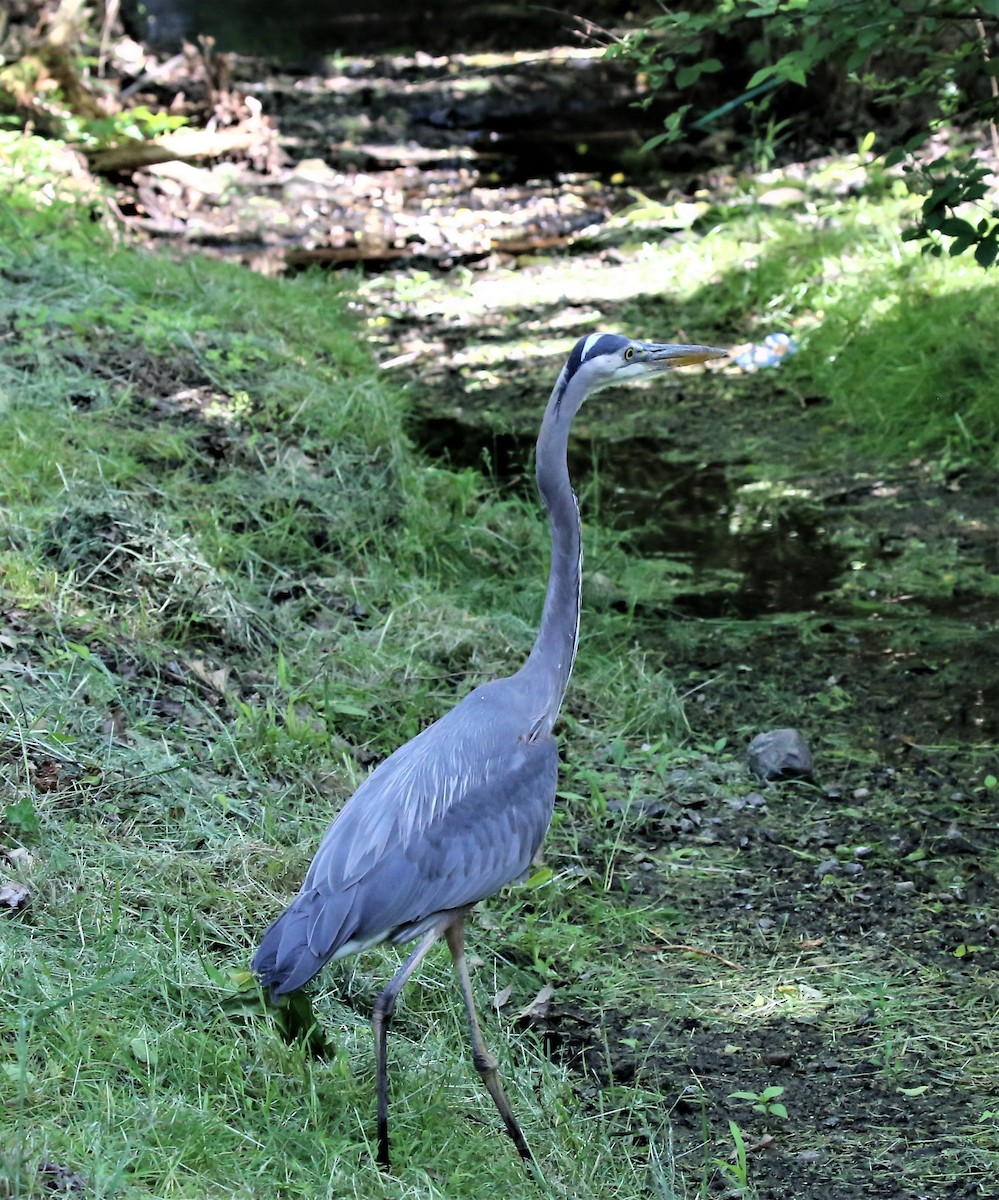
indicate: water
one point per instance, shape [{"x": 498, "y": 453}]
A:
[
  {"x": 303, "y": 32},
  {"x": 689, "y": 512}
]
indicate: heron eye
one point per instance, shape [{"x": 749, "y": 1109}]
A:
[{"x": 629, "y": 354}]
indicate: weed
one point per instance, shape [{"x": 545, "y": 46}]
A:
[
  {"x": 734, "y": 1170},
  {"x": 766, "y": 1102}
]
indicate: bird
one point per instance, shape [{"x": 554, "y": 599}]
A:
[{"x": 461, "y": 809}]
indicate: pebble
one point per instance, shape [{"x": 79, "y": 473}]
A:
[{"x": 780, "y": 754}]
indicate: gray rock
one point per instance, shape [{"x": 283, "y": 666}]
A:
[{"x": 780, "y": 754}]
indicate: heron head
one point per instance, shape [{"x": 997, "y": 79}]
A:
[{"x": 603, "y": 359}]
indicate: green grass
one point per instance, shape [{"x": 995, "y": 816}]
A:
[
  {"x": 226, "y": 582},
  {"x": 224, "y": 577}
]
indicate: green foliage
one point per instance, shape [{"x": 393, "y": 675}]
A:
[
  {"x": 21, "y": 818},
  {"x": 767, "y": 1102},
  {"x": 130, "y": 124},
  {"x": 939, "y": 53},
  {"x": 734, "y": 1170},
  {"x": 939, "y": 221}
]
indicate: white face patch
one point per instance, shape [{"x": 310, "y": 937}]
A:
[{"x": 588, "y": 345}]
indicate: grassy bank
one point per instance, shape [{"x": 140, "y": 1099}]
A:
[{"x": 227, "y": 586}]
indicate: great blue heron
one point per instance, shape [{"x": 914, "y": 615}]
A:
[{"x": 459, "y": 811}]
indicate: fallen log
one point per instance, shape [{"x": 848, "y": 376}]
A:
[{"x": 186, "y": 145}]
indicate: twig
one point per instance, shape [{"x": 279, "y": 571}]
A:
[
  {"x": 659, "y": 947},
  {"x": 980, "y": 26}
]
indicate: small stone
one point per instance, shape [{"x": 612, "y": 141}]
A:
[
  {"x": 861, "y": 793},
  {"x": 852, "y": 868},
  {"x": 831, "y": 866},
  {"x": 780, "y": 754},
  {"x": 778, "y": 1058},
  {"x": 904, "y": 886}
]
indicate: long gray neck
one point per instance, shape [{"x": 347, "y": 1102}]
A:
[{"x": 550, "y": 662}]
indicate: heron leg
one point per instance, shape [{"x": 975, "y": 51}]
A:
[
  {"x": 380, "y": 1018},
  {"x": 485, "y": 1064}
]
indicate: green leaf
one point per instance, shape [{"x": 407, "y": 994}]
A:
[
  {"x": 652, "y": 142},
  {"x": 957, "y": 227},
  {"x": 143, "y": 1051},
  {"x": 986, "y": 251},
  {"x": 21, "y": 817},
  {"x": 866, "y": 142},
  {"x": 17, "y": 1074},
  {"x": 762, "y": 74},
  {"x": 540, "y": 877}
]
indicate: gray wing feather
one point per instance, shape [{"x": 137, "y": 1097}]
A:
[{"x": 445, "y": 821}]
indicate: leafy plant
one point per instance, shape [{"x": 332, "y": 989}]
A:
[
  {"x": 735, "y": 1170},
  {"x": 21, "y": 817},
  {"x": 835, "y": 43},
  {"x": 766, "y": 1102}
]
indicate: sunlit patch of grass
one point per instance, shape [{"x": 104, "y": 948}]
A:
[{"x": 894, "y": 343}]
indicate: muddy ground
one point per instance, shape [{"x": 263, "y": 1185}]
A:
[{"x": 861, "y": 611}]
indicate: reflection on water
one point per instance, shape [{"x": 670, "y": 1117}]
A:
[{"x": 686, "y": 512}]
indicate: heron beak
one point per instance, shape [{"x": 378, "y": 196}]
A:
[{"x": 663, "y": 357}]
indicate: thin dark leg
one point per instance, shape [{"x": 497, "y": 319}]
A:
[
  {"x": 485, "y": 1064},
  {"x": 380, "y": 1018}
]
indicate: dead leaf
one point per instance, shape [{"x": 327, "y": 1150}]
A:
[
  {"x": 45, "y": 777},
  {"x": 115, "y": 726},
  {"x": 502, "y": 996},
  {"x": 539, "y": 1005},
  {"x": 14, "y": 897},
  {"x": 217, "y": 680},
  {"x": 17, "y": 856},
  {"x": 61, "y": 1179}
]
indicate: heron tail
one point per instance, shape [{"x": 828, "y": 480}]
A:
[{"x": 300, "y": 942}]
